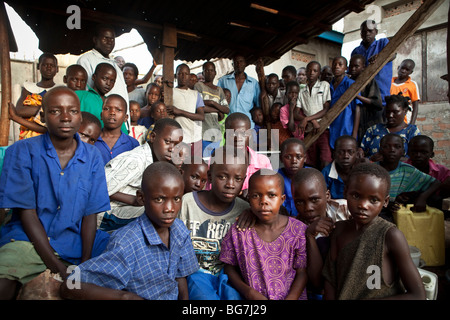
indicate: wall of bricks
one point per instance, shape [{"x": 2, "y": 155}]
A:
[{"x": 433, "y": 120}]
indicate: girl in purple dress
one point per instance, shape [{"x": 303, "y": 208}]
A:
[{"x": 271, "y": 256}]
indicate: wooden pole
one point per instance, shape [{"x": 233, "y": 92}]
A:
[
  {"x": 169, "y": 42},
  {"x": 5, "y": 76},
  {"x": 408, "y": 29}
]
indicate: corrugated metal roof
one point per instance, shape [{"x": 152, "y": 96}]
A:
[{"x": 205, "y": 29}]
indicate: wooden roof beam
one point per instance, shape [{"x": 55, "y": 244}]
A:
[{"x": 408, "y": 29}]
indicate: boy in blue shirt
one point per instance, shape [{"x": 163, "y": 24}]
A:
[
  {"x": 112, "y": 140},
  {"x": 293, "y": 157},
  {"x": 345, "y": 157},
  {"x": 150, "y": 257},
  {"x": 54, "y": 183},
  {"x": 370, "y": 48},
  {"x": 347, "y": 122}
]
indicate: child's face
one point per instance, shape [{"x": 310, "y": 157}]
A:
[
  {"x": 113, "y": 113},
  {"x": 195, "y": 177},
  {"x": 339, "y": 67},
  {"x": 420, "y": 152},
  {"x": 310, "y": 199},
  {"x": 301, "y": 76},
  {"x": 163, "y": 143},
  {"x": 258, "y": 117},
  {"x": 135, "y": 112},
  {"x": 128, "y": 75},
  {"x": 162, "y": 199},
  {"x": 272, "y": 85},
  {"x": 345, "y": 153},
  {"x": 105, "y": 79},
  {"x": 183, "y": 76},
  {"x": 193, "y": 79},
  {"x": 241, "y": 138},
  {"x": 312, "y": 72},
  {"x": 89, "y": 132},
  {"x": 287, "y": 76},
  {"x": 293, "y": 158},
  {"x": 275, "y": 113},
  {"x": 160, "y": 112},
  {"x": 292, "y": 93},
  {"x": 62, "y": 114},
  {"x": 48, "y": 68},
  {"x": 392, "y": 149},
  {"x": 366, "y": 196},
  {"x": 227, "y": 180},
  {"x": 367, "y": 35},
  {"x": 265, "y": 197},
  {"x": 356, "y": 67},
  {"x": 326, "y": 74},
  {"x": 153, "y": 95},
  {"x": 76, "y": 80},
  {"x": 395, "y": 115},
  {"x": 209, "y": 72},
  {"x": 405, "y": 69}
]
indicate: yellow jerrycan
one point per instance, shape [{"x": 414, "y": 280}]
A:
[{"x": 424, "y": 230}]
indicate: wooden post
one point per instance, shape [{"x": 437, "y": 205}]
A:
[
  {"x": 169, "y": 41},
  {"x": 408, "y": 29},
  {"x": 5, "y": 76}
]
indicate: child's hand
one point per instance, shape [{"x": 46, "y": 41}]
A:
[
  {"x": 393, "y": 207},
  {"x": 253, "y": 294},
  {"x": 372, "y": 58},
  {"x": 316, "y": 126},
  {"x": 245, "y": 220},
  {"x": 376, "y": 157},
  {"x": 172, "y": 110},
  {"x": 322, "y": 225},
  {"x": 420, "y": 205}
]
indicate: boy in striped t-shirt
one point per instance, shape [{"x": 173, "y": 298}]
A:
[{"x": 408, "y": 184}]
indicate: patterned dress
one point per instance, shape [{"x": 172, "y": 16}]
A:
[{"x": 268, "y": 267}]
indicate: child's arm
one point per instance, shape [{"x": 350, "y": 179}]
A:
[
  {"x": 183, "y": 293},
  {"x": 147, "y": 76},
  {"x": 197, "y": 116},
  {"x": 415, "y": 110},
  {"x": 298, "y": 285},
  {"x": 88, "y": 230},
  {"x": 398, "y": 250},
  {"x": 25, "y": 111},
  {"x": 38, "y": 237},
  {"x": 291, "y": 122},
  {"x": 421, "y": 202},
  {"x": 315, "y": 262},
  {"x": 212, "y": 106},
  {"x": 236, "y": 281},
  {"x": 89, "y": 291},
  {"x": 125, "y": 198},
  {"x": 24, "y": 122}
]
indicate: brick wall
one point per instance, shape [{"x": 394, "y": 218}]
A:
[{"x": 433, "y": 120}]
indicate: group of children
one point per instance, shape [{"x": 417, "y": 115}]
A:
[{"x": 142, "y": 217}]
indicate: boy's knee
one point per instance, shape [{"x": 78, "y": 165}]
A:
[{"x": 9, "y": 289}]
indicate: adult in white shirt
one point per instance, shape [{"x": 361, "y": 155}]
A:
[{"x": 104, "y": 42}]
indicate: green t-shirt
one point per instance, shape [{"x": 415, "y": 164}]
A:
[{"x": 92, "y": 102}]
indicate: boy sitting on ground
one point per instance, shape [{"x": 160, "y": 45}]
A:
[
  {"x": 368, "y": 243},
  {"x": 55, "y": 184},
  {"x": 156, "y": 242}
]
